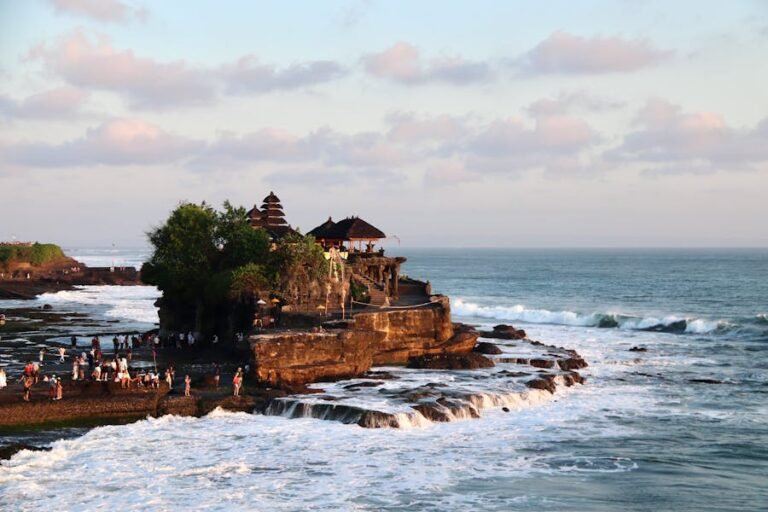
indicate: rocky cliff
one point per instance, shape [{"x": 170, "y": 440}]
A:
[{"x": 391, "y": 336}]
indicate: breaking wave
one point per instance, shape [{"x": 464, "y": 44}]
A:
[{"x": 519, "y": 313}]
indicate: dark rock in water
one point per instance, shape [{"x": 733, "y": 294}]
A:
[
  {"x": 607, "y": 322},
  {"x": 542, "y": 363},
  {"x": 546, "y": 382},
  {"x": 8, "y": 451},
  {"x": 471, "y": 361},
  {"x": 376, "y": 419},
  {"x": 504, "y": 332},
  {"x": 486, "y": 348},
  {"x": 572, "y": 363},
  {"x": 638, "y": 349},
  {"x": 379, "y": 374},
  {"x": 505, "y": 409},
  {"x": 705, "y": 381},
  {"x": 47, "y": 307},
  {"x": 678, "y": 327},
  {"x": 572, "y": 378},
  {"x": 366, "y": 384}
]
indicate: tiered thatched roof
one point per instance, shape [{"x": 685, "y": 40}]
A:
[
  {"x": 351, "y": 228},
  {"x": 270, "y": 218}
]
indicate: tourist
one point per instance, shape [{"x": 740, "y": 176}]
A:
[
  {"x": 237, "y": 382},
  {"x": 52, "y": 388},
  {"x": 42, "y": 356},
  {"x": 27, "y": 388},
  {"x": 169, "y": 378},
  {"x": 3, "y": 378},
  {"x": 76, "y": 368},
  {"x": 62, "y": 352},
  {"x": 35, "y": 373},
  {"x": 96, "y": 375},
  {"x": 216, "y": 375},
  {"x": 187, "y": 384},
  {"x": 73, "y": 341},
  {"x": 116, "y": 343},
  {"x": 59, "y": 390}
]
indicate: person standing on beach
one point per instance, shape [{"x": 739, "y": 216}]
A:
[
  {"x": 59, "y": 390},
  {"x": 75, "y": 367},
  {"x": 187, "y": 384},
  {"x": 42, "y": 355},
  {"x": 27, "y": 388},
  {"x": 3, "y": 378},
  {"x": 73, "y": 341},
  {"x": 62, "y": 352},
  {"x": 237, "y": 382},
  {"x": 216, "y": 375}
]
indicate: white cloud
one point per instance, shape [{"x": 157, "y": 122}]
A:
[
  {"x": 115, "y": 142},
  {"x": 60, "y": 102},
  {"x": 403, "y": 63},
  {"x": 567, "y": 53},
  {"x": 114, "y": 11}
]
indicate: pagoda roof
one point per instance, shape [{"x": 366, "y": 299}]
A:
[{"x": 351, "y": 228}]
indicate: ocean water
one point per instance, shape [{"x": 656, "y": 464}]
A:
[{"x": 681, "y": 426}]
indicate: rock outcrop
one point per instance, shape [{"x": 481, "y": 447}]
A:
[
  {"x": 504, "y": 332},
  {"x": 390, "y": 336}
]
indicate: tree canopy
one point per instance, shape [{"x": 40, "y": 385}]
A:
[{"x": 204, "y": 259}]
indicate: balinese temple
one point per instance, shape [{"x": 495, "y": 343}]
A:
[
  {"x": 359, "y": 234},
  {"x": 356, "y": 239},
  {"x": 270, "y": 218}
]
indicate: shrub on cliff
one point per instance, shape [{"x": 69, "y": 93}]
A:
[
  {"x": 37, "y": 254},
  {"x": 205, "y": 261}
]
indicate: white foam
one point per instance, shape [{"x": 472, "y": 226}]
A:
[{"x": 122, "y": 302}]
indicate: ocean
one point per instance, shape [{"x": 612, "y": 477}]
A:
[{"x": 681, "y": 426}]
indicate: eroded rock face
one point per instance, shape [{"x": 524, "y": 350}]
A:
[
  {"x": 291, "y": 359},
  {"x": 376, "y": 338},
  {"x": 504, "y": 332}
]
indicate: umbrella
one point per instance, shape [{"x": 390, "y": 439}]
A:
[{"x": 261, "y": 302}]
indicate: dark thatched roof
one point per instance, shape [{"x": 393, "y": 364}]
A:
[
  {"x": 322, "y": 231},
  {"x": 278, "y": 232},
  {"x": 351, "y": 228}
]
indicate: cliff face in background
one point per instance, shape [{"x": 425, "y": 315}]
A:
[{"x": 376, "y": 338}]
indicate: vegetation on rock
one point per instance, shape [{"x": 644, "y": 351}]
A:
[
  {"x": 213, "y": 267},
  {"x": 37, "y": 254}
]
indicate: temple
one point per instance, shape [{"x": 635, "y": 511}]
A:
[{"x": 353, "y": 240}]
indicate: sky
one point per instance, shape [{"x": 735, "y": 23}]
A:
[{"x": 444, "y": 123}]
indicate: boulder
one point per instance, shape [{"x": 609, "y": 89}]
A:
[
  {"x": 487, "y": 348},
  {"x": 470, "y": 361},
  {"x": 504, "y": 332}
]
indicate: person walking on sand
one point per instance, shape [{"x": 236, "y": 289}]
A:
[
  {"x": 187, "y": 384},
  {"x": 62, "y": 352},
  {"x": 27, "y": 388},
  {"x": 59, "y": 390},
  {"x": 237, "y": 382}
]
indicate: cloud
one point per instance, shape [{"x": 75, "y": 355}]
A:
[
  {"x": 61, "y": 102},
  {"x": 248, "y": 75},
  {"x": 113, "y": 11},
  {"x": 402, "y": 63},
  {"x": 408, "y": 128},
  {"x": 674, "y": 141},
  {"x": 322, "y": 146},
  {"x": 115, "y": 142},
  {"x": 145, "y": 82},
  {"x": 571, "y": 54},
  {"x": 565, "y": 102}
]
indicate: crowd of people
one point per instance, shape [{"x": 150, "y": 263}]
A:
[{"x": 92, "y": 365}]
